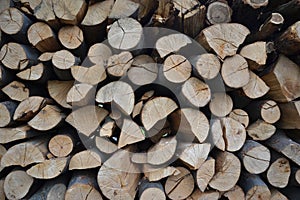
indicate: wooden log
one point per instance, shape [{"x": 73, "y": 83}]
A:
[
  {"x": 167, "y": 145},
  {"x": 16, "y": 91},
  {"x": 61, "y": 145},
  {"x": 107, "y": 129},
  {"x": 143, "y": 70},
  {"x": 180, "y": 186},
  {"x": 90, "y": 75},
  {"x": 2, "y": 193},
  {"x": 207, "y": 65},
  {"x": 81, "y": 94},
  {"x": 83, "y": 186},
  {"x": 218, "y": 12},
  {"x": 8, "y": 135},
  {"x": 254, "y": 187},
  {"x": 42, "y": 37},
  {"x": 205, "y": 173},
  {"x": 290, "y": 113},
  {"x": 256, "y": 87},
  {"x": 17, "y": 57},
  {"x": 46, "y": 57},
  {"x": 17, "y": 184},
  {"x": 123, "y": 9},
  {"x": 125, "y": 34},
  {"x": 255, "y": 157},
  {"x": 256, "y": 4},
  {"x": 256, "y": 54},
  {"x": 99, "y": 53},
  {"x": 197, "y": 194},
  {"x": 235, "y": 193},
  {"x": 224, "y": 39},
  {"x": 196, "y": 92},
  {"x": 119, "y": 64},
  {"x": 261, "y": 130},
  {"x": 7, "y": 110},
  {"x": 282, "y": 80},
  {"x": 164, "y": 15},
  {"x": 48, "y": 169},
  {"x": 2, "y": 152},
  {"x": 156, "y": 174},
  {"x": 146, "y": 10},
  {"x": 5, "y": 5},
  {"x": 105, "y": 145},
  {"x": 240, "y": 116},
  {"x": 228, "y": 169},
  {"x": 130, "y": 133},
  {"x": 153, "y": 190},
  {"x": 284, "y": 145},
  {"x": 276, "y": 195},
  {"x": 15, "y": 23},
  {"x": 87, "y": 119},
  {"x": 118, "y": 92},
  {"x": 48, "y": 118},
  {"x": 58, "y": 91},
  {"x": 6, "y": 76},
  {"x": 85, "y": 160},
  {"x": 221, "y": 104},
  {"x": 279, "y": 172},
  {"x": 44, "y": 11},
  {"x": 38, "y": 73}
]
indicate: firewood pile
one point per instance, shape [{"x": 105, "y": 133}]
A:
[{"x": 149, "y": 99}]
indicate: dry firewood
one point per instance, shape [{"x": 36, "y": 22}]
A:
[
  {"x": 85, "y": 160},
  {"x": 61, "y": 145},
  {"x": 16, "y": 91},
  {"x": 240, "y": 116},
  {"x": 205, "y": 173},
  {"x": 283, "y": 80},
  {"x": 235, "y": 71},
  {"x": 139, "y": 158},
  {"x": 99, "y": 53},
  {"x": 8, "y": 135},
  {"x": 290, "y": 117},
  {"x": 218, "y": 12},
  {"x": 177, "y": 69},
  {"x": 162, "y": 151},
  {"x": 119, "y": 180},
  {"x": 160, "y": 107},
  {"x": 207, "y": 65},
  {"x": 15, "y": 23},
  {"x": 81, "y": 94},
  {"x": 151, "y": 190},
  {"x": 191, "y": 121},
  {"x": 6, "y": 76},
  {"x": 2, "y": 193},
  {"x": 143, "y": 70},
  {"x": 5, "y": 5},
  {"x": 137, "y": 109},
  {"x": 83, "y": 186},
  {"x": 90, "y": 75},
  {"x": 41, "y": 36},
  {"x": 49, "y": 117},
  {"x": 58, "y": 90},
  {"x": 279, "y": 172},
  {"x": 228, "y": 169},
  {"x": 48, "y": 169},
  {"x": 164, "y": 15},
  {"x": 95, "y": 20},
  {"x": 180, "y": 186},
  {"x": 256, "y": 54},
  {"x": 107, "y": 129},
  {"x": 256, "y": 87},
  {"x": 235, "y": 193},
  {"x": 261, "y": 130},
  {"x": 46, "y": 57},
  {"x": 228, "y": 134},
  {"x": 123, "y": 9},
  {"x": 7, "y": 110},
  {"x": 130, "y": 133},
  {"x": 224, "y": 39},
  {"x": 105, "y": 145},
  {"x": 156, "y": 174},
  {"x": 198, "y": 195},
  {"x": 119, "y": 64},
  {"x": 221, "y": 104},
  {"x": 276, "y": 195},
  {"x": 288, "y": 42},
  {"x": 44, "y": 11},
  {"x": 39, "y": 73},
  {"x": 17, "y": 184},
  {"x": 17, "y": 57},
  {"x": 125, "y": 34},
  {"x": 284, "y": 145},
  {"x": 87, "y": 119},
  {"x": 146, "y": 9},
  {"x": 196, "y": 92},
  {"x": 2, "y": 152},
  {"x": 256, "y": 3},
  {"x": 255, "y": 157},
  {"x": 62, "y": 61}
]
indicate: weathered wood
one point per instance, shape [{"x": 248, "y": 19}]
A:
[
  {"x": 156, "y": 174},
  {"x": 240, "y": 116},
  {"x": 107, "y": 129},
  {"x": 6, "y": 76},
  {"x": 235, "y": 193},
  {"x": 61, "y": 145},
  {"x": 16, "y": 91},
  {"x": 119, "y": 64},
  {"x": 38, "y": 73},
  {"x": 256, "y": 54},
  {"x": 81, "y": 94},
  {"x": 4, "y": 5},
  {"x": 218, "y": 12},
  {"x": 256, "y": 87},
  {"x": 221, "y": 104},
  {"x": 85, "y": 160},
  {"x": 44, "y": 11},
  {"x": 99, "y": 53},
  {"x": 58, "y": 90},
  {"x": 123, "y": 9},
  {"x": 130, "y": 133},
  {"x": 288, "y": 42},
  {"x": 105, "y": 145},
  {"x": 256, "y": 3},
  {"x": 279, "y": 172},
  {"x": 2, "y": 152},
  {"x": 151, "y": 190},
  {"x": 90, "y": 75},
  {"x": 207, "y": 65},
  {"x": 164, "y": 15},
  {"x": 2, "y": 193},
  {"x": 205, "y": 173},
  {"x": 290, "y": 115},
  {"x": 261, "y": 130},
  {"x": 276, "y": 195},
  {"x": 211, "y": 195},
  {"x": 7, "y": 110},
  {"x": 8, "y": 135}
]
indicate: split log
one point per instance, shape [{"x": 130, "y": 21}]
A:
[
  {"x": 107, "y": 129},
  {"x": 2, "y": 152},
  {"x": 85, "y": 160},
  {"x": 218, "y": 12},
  {"x": 125, "y": 34},
  {"x": 256, "y": 87},
  {"x": 58, "y": 90},
  {"x": 256, "y": 3},
  {"x": 276, "y": 195},
  {"x": 8, "y": 135},
  {"x": 46, "y": 57},
  {"x": 7, "y": 110},
  {"x": 44, "y": 11},
  {"x": 224, "y": 39},
  {"x": 290, "y": 117},
  {"x": 123, "y": 9},
  {"x": 151, "y": 190},
  {"x": 83, "y": 186},
  {"x": 16, "y": 91},
  {"x": 119, "y": 64},
  {"x": 105, "y": 145},
  {"x": 228, "y": 169},
  {"x": 261, "y": 130},
  {"x": 207, "y": 65},
  {"x": 99, "y": 53},
  {"x": 15, "y": 23},
  {"x": 221, "y": 104},
  {"x": 61, "y": 145},
  {"x": 196, "y": 92},
  {"x": 205, "y": 173},
  {"x": 48, "y": 169},
  {"x": 256, "y": 54},
  {"x": 255, "y": 157},
  {"x": 41, "y": 36},
  {"x": 145, "y": 10},
  {"x": 38, "y": 73},
  {"x": 164, "y": 15},
  {"x": 119, "y": 93},
  {"x": 90, "y": 75},
  {"x": 180, "y": 186},
  {"x": 284, "y": 145},
  {"x": 17, "y": 184},
  {"x": 254, "y": 187},
  {"x": 5, "y": 5},
  {"x": 17, "y": 57},
  {"x": 283, "y": 80},
  {"x": 240, "y": 116},
  {"x": 130, "y": 133},
  {"x": 81, "y": 94},
  {"x": 211, "y": 195},
  {"x": 235, "y": 193},
  {"x": 87, "y": 119},
  {"x": 279, "y": 172},
  {"x": 156, "y": 174}
]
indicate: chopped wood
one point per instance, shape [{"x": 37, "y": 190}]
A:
[
  {"x": 7, "y": 110},
  {"x": 205, "y": 173},
  {"x": 16, "y": 91},
  {"x": 81, "y": 94},
  {"x": 58, "y": 90},
  {"x": 85, "y": 160},
  {"x": 270, "y": 111},
  {"x": 261, "y": 130},
  {"x": 256, "y": 54},
  {"x": 240, "y": 116},
  {"x": 2, "y": 193},
  {"x": 160, "y": 173},
  {"x": 151, "y": 190},
  {"x": 105, "y": 145},
  {"x": 4, "y": 5},
  {"x": 46, "y": 56},
  {"x": 99, "y": 53},
  {"x": 107, "y": 129},
  {"x": 208, "y": 65},
  {"x": 218, "y": 12},
  {"x": 139, "y": 158},
  {"x": 235, "y": 193},
  {"x": 256, "y": 3},
  {"x": 39, "y": 73},
  {"x": 130, "y": 133},
  {"x": 211, "y": 195},
  {"x": 71, "y": 37},
  {"x": 90, "y": 75},
  {"x": 2, "y": 152},
  {"x": 119, "y": 64},
  {"x": 61, "y": 145},
  {"x": 290, "y": 115},
  {"x": 137, "y": 109},
  {"x": 276, "y": 195},
  {"x": 8, "y": 135},
  {"x": 256, "y": 87},
  {"x": 164, "y": 13},
  {"x": 221, "y": 104},
  {"x": 279, "y": 172},
  {"x": 288, "y": 42},
  {"x": 123, "y": 9}
]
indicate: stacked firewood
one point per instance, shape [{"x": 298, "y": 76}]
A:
[{"x": 88, "y": 112}]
